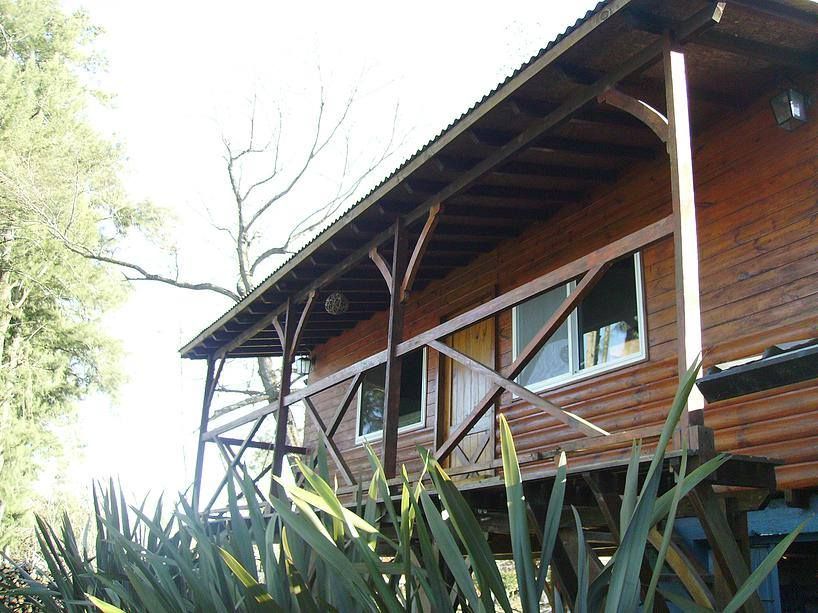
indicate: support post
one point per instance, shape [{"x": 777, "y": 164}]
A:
[
  {"x": 200, "y": 448},
  {"x": 685, "y": 239},
  {"x": 393, "y": 361},
  {"x": 282, "y": 415}
]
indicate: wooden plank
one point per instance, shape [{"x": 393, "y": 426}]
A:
[
  {"x": 641, "y": 110},
  {"x": 391, "y": 402},
  {"x": 419, "y": 250},
  {"x": 685, "y": 571},
  {"x": 234, "y": 442},
  {"x": 574, "y": 421},
  {"x": 382, "y": 266},
  {"x": 685, "y": 240},
  {"x": 344, "y": 405},
  {"x": 332, "y": 448}
]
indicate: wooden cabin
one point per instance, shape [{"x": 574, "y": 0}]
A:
[{"x": 622, "y": 203}]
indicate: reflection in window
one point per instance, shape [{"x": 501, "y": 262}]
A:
[
  {"x": 605, "y": 330},
  {"x": 412, "y": 395}
]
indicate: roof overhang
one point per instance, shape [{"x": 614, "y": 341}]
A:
[{"x": 539, "y": 141}]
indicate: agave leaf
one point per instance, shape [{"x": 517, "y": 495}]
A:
[
  {"x": 631, "y": 484},
  {"x": 760, "y": 573},
  {"x": 696, "y": 476},
  {"x": 581, "y": 603},
  {"x": 451, "y": 553},
  {"x": 260, "y": 599},
  {"x": 518, "y": 521},
  {"x": 471, "y": 535},
  {"x": 685, "y": 604},
  {"x": 323, "y": 546},
  {"x": 666, "y": 538},
  {"x": 430, "y": 575},
  {"x": 103, "y": 606},
  {"x": 552, "y": 522}
]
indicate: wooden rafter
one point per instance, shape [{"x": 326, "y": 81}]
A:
[
  {"x": 639, "y": 109},
  {"x": 382, "y": 266},
  {"x": 419, "y": 250}
]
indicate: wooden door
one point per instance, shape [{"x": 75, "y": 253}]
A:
[{"x": 463, "y": 388}]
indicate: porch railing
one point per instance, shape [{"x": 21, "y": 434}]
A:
[{"x": 590, "y": 268}]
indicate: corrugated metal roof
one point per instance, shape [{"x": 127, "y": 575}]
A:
[{"x": 361, "y": 201}]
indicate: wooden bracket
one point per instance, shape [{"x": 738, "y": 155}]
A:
[
  {"x": 305, "y": 313},
  {"x": 420, "y": 248},
  {"x": 645, "y": 113},
  {"x": 377, "y": 258},
  {"x": 279, "y": 330}
]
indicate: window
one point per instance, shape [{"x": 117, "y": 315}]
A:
[
  {"x": 605, "y": 331},
  {"x": 412, "y": 396}
]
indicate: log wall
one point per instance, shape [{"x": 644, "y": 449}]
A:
[{"x": 757, "y": 205}]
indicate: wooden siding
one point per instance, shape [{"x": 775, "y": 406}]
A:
[{"x": 757, "y": 201}]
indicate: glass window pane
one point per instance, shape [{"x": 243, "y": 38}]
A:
[
  {"x": 373, "y": 395},
  {"x": 608, "y": 319},
  {"x": 553, "y": 359}
]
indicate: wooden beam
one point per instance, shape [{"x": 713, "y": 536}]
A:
[
  {"x": 232, "y": 462},
  {"x": 305, "y": 313},
  {"x": 685, "y": 235},
  {"x": 641, "y": 110},
  {"x": 283, "y": 390},
  {"x": 419, "y": 250},
  {"x": 332, "y": 448},
  {"x": 382, "y": 266},
  {"x": 719, "y": 534},
  {"x": 213, "y": 433},
  {"x": 205, "y": 417},
  {"x": 345, "y": 402},
  {"x": 772, "y": 54},
  {"x": 780, "y": 11},
  {"x": 391, "y": 402},
  {"x": 278, "y": 329},
  {"x": 573, "y": 421},
  {"x": 235, "y": 442}
]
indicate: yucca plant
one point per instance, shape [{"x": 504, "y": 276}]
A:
[{"x": 420, "y": 550}]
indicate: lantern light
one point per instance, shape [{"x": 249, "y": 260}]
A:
[
  {"x": 790, "y": 109},
  {"x": 302, "y": 365}
]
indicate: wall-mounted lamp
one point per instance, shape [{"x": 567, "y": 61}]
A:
[
  {"x": 790, "y": 108},
  {"x": 302, "y": 366}
]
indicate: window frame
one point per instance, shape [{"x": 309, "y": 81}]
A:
[
  {"x": 378, "y": 434},
  {"x": 574, "y": 373}
]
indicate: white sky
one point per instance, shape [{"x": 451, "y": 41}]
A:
[{"x": 182, "y": 73}]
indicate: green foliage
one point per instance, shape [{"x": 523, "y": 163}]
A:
[
  {"x": 60, "y": 200},
  {"x": 428, "y": 553}
]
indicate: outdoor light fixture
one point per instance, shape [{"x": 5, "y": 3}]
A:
[
  {"x": 302, "y": 365},
  {"x": 336, "y": 303},
  {"x": 790, "y": 109}
]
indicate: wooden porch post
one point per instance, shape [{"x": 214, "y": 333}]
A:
[
  {"x": 391, "y": 404},
  {"x": 686, "y": 243},
  {"x": 283, "y": 410},
  {"x": 200, "y": 448}
]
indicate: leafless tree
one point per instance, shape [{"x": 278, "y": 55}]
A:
[{"x": 262, "y": 179}]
